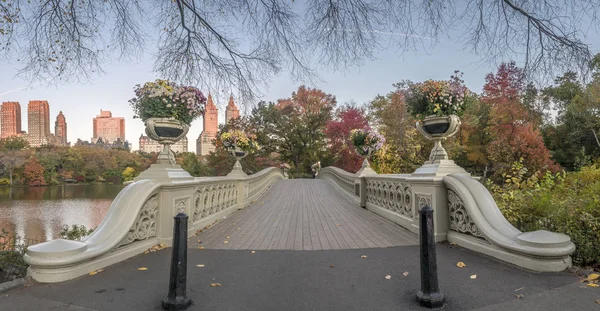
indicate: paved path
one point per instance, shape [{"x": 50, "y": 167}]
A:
[
  {"x": 304, "y": 214},
  {"x": 310, "y": 280}
]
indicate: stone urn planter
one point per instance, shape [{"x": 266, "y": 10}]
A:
[
  {"x": 238, "y": 154},
  {"x": 438, "y": 128},
  {"x": 166, "y": 131}
]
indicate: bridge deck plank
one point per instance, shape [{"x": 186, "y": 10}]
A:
[{"x": 303, "y": 215}]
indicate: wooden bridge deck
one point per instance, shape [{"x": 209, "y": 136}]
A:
[{"x": 303, "y": 214}]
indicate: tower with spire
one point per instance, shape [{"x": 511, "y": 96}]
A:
[
  {"x": 232, "y": 111},
  {"x": 204, "y": 143}
]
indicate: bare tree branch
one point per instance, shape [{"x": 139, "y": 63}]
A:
[{"x": 239, "y": 45}]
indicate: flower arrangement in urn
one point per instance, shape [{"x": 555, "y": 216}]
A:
[
  {"x": 166, "y": 99},
  {"x": 237, "y": 139},
  {"x": 437, "y": 106},
  {"x": 238, "y": 144},
  {"x": 440, "y": 98},
  {"x": 366, "y": 141}
]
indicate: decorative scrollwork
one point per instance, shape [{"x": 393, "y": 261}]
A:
[
  {"x": 391, "y": 195},
  {"x": 145, "y": 225},
  {"x": 460, "y": 221},
  {"x": 212, "y": 199},
  {"x": 423, "y": 201}
]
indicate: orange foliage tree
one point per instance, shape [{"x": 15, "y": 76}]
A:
[
  {"x": 338, "y": 130},
  {"x": 33, "y": 172},
  {"x": 513, "y": 133}
]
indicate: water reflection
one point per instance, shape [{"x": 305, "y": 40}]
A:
[{"x": 40, "y": 212}]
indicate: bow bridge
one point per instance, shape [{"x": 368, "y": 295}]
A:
[{"x": 266, "y": 211}]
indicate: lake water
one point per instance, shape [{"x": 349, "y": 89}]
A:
[{"x": 39, "y": 213}]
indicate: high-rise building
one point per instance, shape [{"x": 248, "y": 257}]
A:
[
  {"x": 38, "y": 123},
  {"x": 149, "y": 145},
  {"x": 108, "y": 128},
  {"x": 232, "y": 111},
  {"x": 204, "y": 144},
  {"x": 10, "y": 119},
  {"x": 60, "y": 129}
]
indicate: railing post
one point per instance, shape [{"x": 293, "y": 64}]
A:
[
  {"x": 363, "y": 192},
  {"x": 177, "y": 298},
  {"x": 430, "y": 295}
]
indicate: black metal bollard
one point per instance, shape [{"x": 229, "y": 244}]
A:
[
  {"x": 177, "y": 298},
  {"x": 429, "y": 295}
]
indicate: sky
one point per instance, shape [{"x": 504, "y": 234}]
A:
[{"x": 81, "y": 102}]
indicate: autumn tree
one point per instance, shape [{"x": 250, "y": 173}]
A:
[
  {"x": 33, "y": 173},
  {"x": 338, "y": 130},
  {"x": 404, "y": 149},
  {"x": 513, "y": 134},
  {"x": 294, "y": 127},
  {"x": 231, "y": 43}
]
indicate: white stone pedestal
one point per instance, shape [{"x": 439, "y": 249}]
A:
[{"x": 164, "y": 171}]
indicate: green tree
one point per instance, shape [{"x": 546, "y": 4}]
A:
[
  {"x": 128, "y": 174},
  {"x": 13, "y": 143},
  {"x": 13, "y": 155},
  {"x": 294, "y": 128}
]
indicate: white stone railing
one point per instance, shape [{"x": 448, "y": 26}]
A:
[
  {"x": 465, "y": 213},
  {"x": 142, "y": 216},
  {"x": 345, "y": 181},
  {"x": 477, "y": 223}
]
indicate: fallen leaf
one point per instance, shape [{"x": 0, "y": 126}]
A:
[
  {"x": 331, "y": 266},
  {"x": 453, "y": 244},
  {"x": 201, "y": 247},
  {"x": 215, "y": 284},
  {"x": 225, "y": 242},
  {"x": 337, "y": 225},
  {"x": 592, "y": 285},
  {"x": 142, "y": 269},
  {"x": 598, "y": 301},
  {"x": 227, "y": 237},
  {"x": 253, "y": 252},
  {"x": 146, "y": 252},
  {"x": 405, "y": 273},
  {"x": 593, "y": 276},
  {"x": 363, "y": 256},
  {"x": 460, "y": 264},
  {"x": 99, "y": 270},
  {"x": 200, "y": 266},
  {"x": 199, "y": 241},
  {"x": 474, "y": 276},
  {"x": 519, "y": 296},
  {"x": 387, "y": 277},
  {"x": 93, "y": 273}
]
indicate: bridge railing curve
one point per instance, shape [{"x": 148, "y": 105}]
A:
[
  {"x": 465, "y": 213},
  {"x": 141, "y": 216}
]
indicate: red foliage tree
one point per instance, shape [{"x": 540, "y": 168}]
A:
[
  {"x": 33, "y": 172},
  {"x": 514, "y": 136},
  {"x": 338, "y": 133}
]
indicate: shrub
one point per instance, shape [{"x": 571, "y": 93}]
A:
[
  {"x": 75, "y": 232},
  {"x": 568, "y": 203},
  {"x": 4, "y": 182}
]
